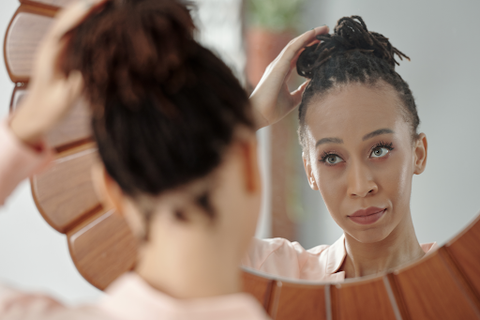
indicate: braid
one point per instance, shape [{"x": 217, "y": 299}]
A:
[{"x": 352, "y": 54}]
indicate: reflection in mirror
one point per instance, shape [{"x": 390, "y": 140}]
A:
[{"x": 442, "y": 79}]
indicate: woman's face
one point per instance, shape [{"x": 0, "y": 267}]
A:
[{"x": 362, "y": 158}]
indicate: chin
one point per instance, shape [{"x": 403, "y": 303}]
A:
[{"x": 372, "y": 235}]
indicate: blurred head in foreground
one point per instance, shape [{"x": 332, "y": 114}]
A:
[{"x": 176, "y": 139}]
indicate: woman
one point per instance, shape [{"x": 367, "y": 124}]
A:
[
  {"x": 361, "y": 148},
  {"x": 176, "y": 138}
]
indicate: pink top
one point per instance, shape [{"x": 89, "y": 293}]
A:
[
  {"x": 280, "y": 257},
  {"x": 129, "y": 297}
]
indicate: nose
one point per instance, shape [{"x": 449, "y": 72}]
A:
[{"x": 360, "y": 181}]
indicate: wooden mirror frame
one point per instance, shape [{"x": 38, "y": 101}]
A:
[{"x": 443, "y": 285}]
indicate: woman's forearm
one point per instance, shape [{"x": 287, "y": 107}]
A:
[{"x": 18, "y": 160}]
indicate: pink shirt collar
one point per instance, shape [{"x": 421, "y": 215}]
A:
[
  {"x": 336, "y": 254},
  {"x": 130, "y": 297}
]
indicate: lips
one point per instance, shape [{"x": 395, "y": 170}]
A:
[{"x": 367, "y": 216}]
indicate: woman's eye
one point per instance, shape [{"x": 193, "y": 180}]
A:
[
  {"x": 332, "y": 159},
  {"x": 380, "y": 152}
]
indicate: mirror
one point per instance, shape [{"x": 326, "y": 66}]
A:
[{"x": 443, "y": 77}]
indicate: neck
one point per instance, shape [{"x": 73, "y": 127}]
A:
[
  {"x": 399, "y": 248},
  {"x": 198, "y": 266}
]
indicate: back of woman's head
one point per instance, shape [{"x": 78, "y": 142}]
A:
[
  {"x": 352, "y": 54},
  {"x": 164, "y": 107}
]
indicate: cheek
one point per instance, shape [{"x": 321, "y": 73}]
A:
[
  {"x": 331, "y": 184},
  {"x": 395, "y": 179}
]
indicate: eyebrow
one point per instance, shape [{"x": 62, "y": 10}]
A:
[
  {"x": 328, "y": 140},
  {"x": 377, "y": 133},
  {"x": 365, "y": 137}
]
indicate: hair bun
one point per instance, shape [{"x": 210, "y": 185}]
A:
[
  {"x": 350, "y": 35},
  {"x": 132, "y": 41}
]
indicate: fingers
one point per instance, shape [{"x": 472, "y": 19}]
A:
[
  {"x": 297, "y": 94},
  {"x": 53, "y": 43},
  {"x": 74, "y": 85},
  {"x": 71, "y": 16},
  {"x": 300, "y": 42}
]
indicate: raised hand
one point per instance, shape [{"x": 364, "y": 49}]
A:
[
  {"x": 51, "y": 93},
  {"x": 271, "y": 99}
]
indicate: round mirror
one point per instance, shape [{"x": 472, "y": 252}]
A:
[{"x": 442, "y": 75}]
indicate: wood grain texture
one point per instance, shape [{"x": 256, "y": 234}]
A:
[
  {"x": 102, "y": 248},
  {"x": 465, "y": 250},
  {"x": 27, "y": 28},
  {"x": 73, "y": 130},
  {"x": 429, "y": 290},
  {"x": 292, "y": 301},
  {"x": 64, "y": 194},
  {"x": 258, "y": 286},
  {"x": 363, "y": 299}
]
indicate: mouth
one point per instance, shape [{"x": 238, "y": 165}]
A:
[{"x": 367, "y": 216}]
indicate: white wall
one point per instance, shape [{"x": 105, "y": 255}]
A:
[
  {"x": 441, "y": 38},
  {"x": 33, "y": 255}
]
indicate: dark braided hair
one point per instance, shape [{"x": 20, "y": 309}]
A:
[
  {"x": 352, "y": 54},
  {"x": 164, "y": 107}
]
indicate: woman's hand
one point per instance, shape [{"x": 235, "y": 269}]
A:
[
  {"x": 271, "y": 99},
  {"x": 51, "y": 93}
]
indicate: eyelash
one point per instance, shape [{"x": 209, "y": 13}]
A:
[
  {"x": 381, "y": 144},
  {"x": 325, "y": 155}
]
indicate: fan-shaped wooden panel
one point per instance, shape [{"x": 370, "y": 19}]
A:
[
  {"x": 297, "y": 301},
  {"x": 465, "y": 251},
  {"x": 26, "y": 30},
  {"x": 443, "y": 285},
  {"x": 372, "y": 298},
  {"x": 433, "y": 289},
  {"x": 102, "y": 248},
  {"x": 259, "y": 287},
  {"x": 64, "y": 194},
  {"x": 100, "y": 243}
]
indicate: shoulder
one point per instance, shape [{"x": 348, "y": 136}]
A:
[
  {"x": 284, "y": 258},
  {"x": 282, "y": 246},
  {"x": 17, "y": 305}
]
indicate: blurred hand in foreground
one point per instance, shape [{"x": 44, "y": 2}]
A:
[{"x": 50, "y": 92}]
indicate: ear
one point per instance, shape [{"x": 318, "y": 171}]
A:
[
  {"x": 420, "y": 153},
  {"x": 308, "y": 170},
  {"x": 250, "y": 160},
  {"x": 107, "y": 190}
]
